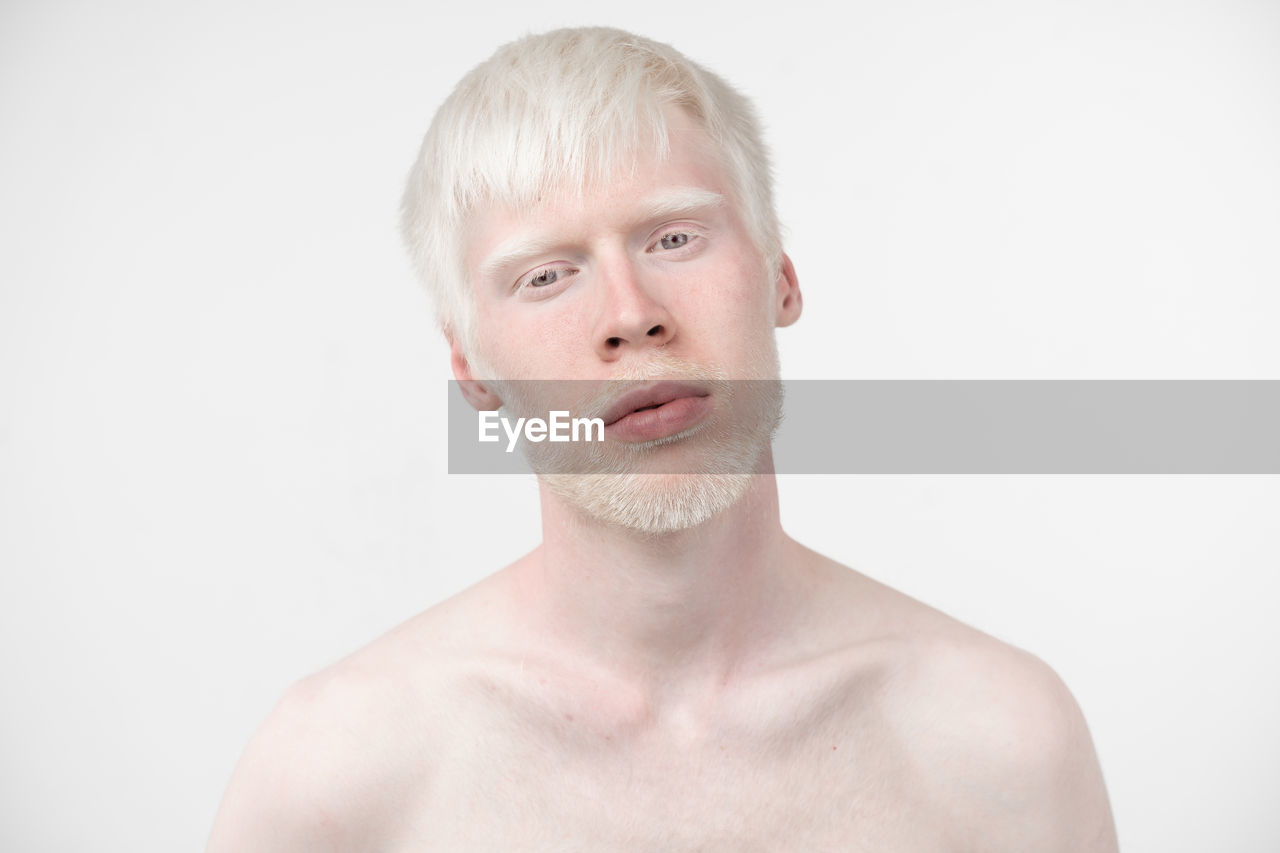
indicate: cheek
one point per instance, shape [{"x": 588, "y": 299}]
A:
[
  {"x": 731, "y": 320},
  {"x": 528, "y": 344},
  {"x": 739, "y": 297}
]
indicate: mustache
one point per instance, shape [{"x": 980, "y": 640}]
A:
[
  {"x": 659, "y": 368},
  {"x": 593, "y": 399}
]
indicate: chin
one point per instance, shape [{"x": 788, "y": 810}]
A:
[
  {"x": 650, "y": 503},
  {"x": 623, "y": 495},
  {"x": 666, "y": 486}
]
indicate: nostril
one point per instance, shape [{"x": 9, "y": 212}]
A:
[
  {"x": 656, "y": 330},
  {"x": 614, "y": 343}
]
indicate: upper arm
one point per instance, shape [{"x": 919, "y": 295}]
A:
[
  {"x": 1022, "y": 774},
  {"x": 297, "y": 787},
  {"x": 1043, "y": 781}
]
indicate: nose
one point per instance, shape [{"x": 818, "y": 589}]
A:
[{"x": 630, "y": 318}]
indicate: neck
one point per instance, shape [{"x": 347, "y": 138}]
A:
[{"x": 672, "y": 613}]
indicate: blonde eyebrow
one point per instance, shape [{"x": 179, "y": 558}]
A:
[
  {"x": 676, "y": 201},
  {"x": 680, "y": 200},
  {"x": 514, "y": 250}
]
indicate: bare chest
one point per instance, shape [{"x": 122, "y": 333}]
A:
[{"x": 821, "y": 784}]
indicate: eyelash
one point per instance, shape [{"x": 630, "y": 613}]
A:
[
  {"x": 675, "y": 232},
  {"x": 525, "y": 282}
]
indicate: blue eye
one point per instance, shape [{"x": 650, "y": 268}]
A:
[
  {"x": 544, "y": 277},
  {"x": 674, "y": 240}
]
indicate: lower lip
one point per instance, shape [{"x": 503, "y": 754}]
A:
[{"x": 668, "y": 419}]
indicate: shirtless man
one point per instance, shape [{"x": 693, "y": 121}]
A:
[{"x": 668, "y": 670}]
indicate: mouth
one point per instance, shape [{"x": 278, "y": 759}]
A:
[{"x": 657, "y": 411}]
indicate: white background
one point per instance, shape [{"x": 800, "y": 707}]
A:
[{"x": 221, "y": 394}]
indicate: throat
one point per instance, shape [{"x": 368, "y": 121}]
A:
[{"x": 675, "y": 616}]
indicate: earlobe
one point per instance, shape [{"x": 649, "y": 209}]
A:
[
  {"x": 789, "y": 299},
  {"x": 476, "y": 392}
]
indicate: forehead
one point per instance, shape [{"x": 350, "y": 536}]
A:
[{"x": 687, "y": 175}]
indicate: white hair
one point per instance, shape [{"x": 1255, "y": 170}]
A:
[{"x": 565, "y": 110}]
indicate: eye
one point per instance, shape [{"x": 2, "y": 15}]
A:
[
  {"x": 678, "y": 240},
  {"x": 543, "y": 277},
  {"x": 675, "y": 240}
]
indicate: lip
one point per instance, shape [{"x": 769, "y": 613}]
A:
[{"x": 668, "y": 408}]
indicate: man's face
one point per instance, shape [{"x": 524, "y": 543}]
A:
[
  {"x": 652, "y": 276},
  {"x": 587, "y": 286}
]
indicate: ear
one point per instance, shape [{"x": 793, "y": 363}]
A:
[
  {"x": 789, "y": 301},
  {"x": 476, "y": 392}
]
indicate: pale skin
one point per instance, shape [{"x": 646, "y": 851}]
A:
[{"x": 717, "y": 688}]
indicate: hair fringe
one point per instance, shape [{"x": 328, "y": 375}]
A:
[{"x": 564, "y": 110}]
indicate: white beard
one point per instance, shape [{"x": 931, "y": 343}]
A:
[
  {"x": 650, "y": 503},
  {"x": 614, "y": 490}
]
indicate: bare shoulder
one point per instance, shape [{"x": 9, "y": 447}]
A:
[
  {"x": 298, "y": 784},
  {"x": 1017, "y": 767},
  {"x": 333, "y": 764},
  {"x": 1000, "y": 744}
]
